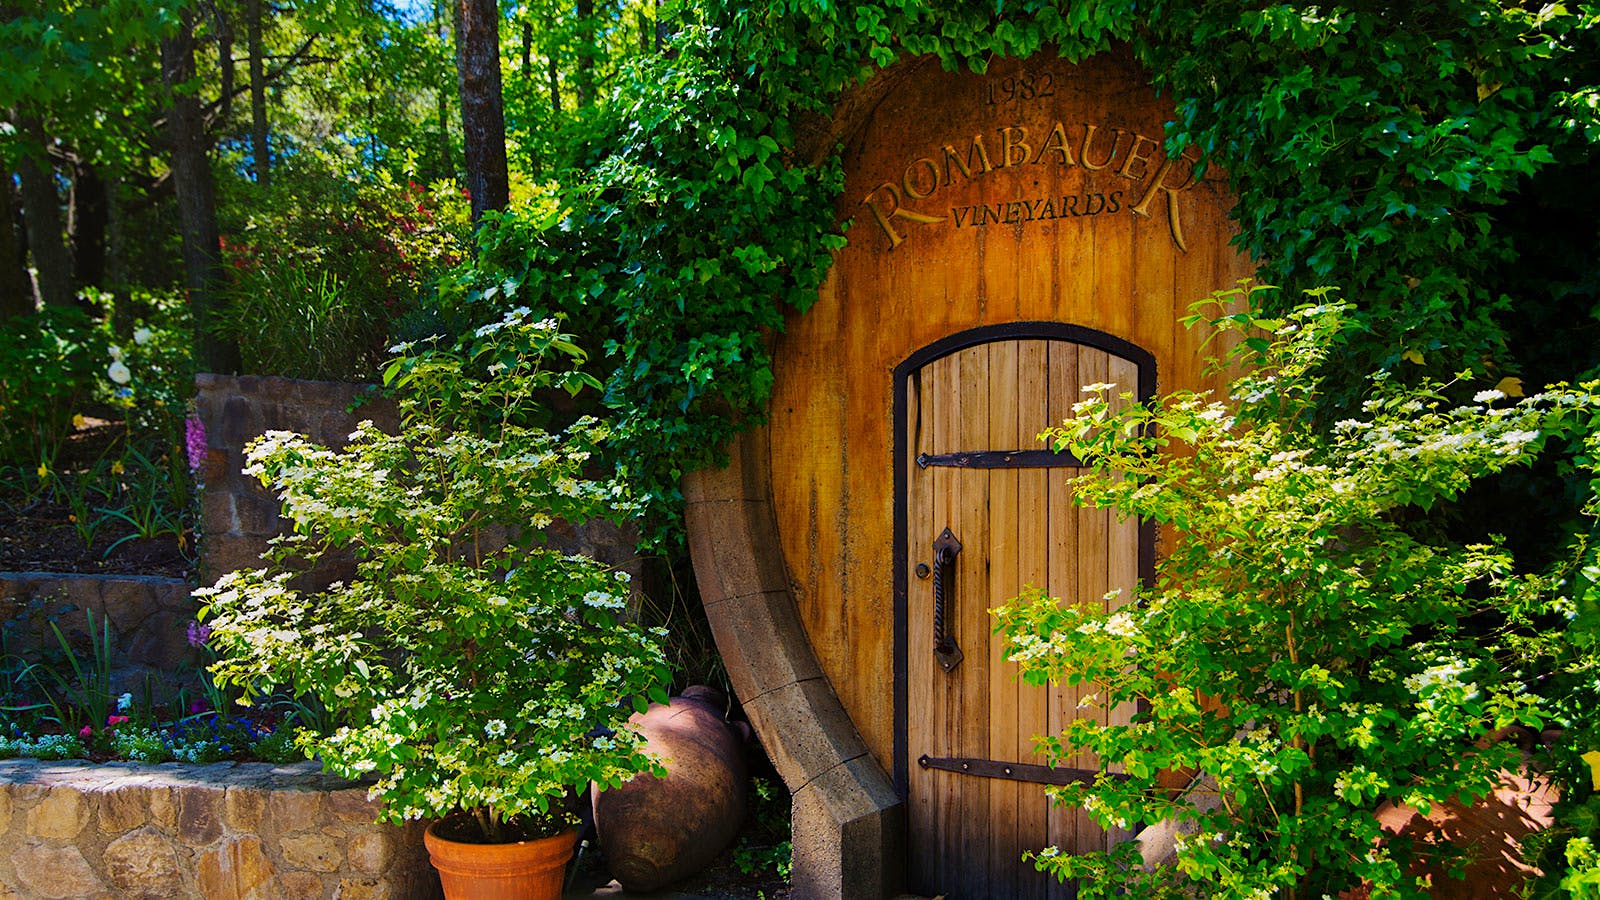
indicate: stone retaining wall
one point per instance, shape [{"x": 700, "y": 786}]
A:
[
  {"x": 149, "y": 620},
  {"x": 224, "y": 831},
  {"x": 237, "y": 515}
]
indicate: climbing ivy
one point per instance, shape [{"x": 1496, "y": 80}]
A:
[{"x": 1433, "y": 159}]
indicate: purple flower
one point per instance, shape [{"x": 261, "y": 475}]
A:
[
  {"x": 199, "y": 634},
  {"x": 194, "y": 441}
]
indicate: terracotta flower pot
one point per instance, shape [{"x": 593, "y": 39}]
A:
[{"x": 525, "y": 870}]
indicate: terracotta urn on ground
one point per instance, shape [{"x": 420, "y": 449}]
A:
[
  {"x": 1491, "y": 831},
  {"x": 654, "y": 831},
  {"x": 523, "y": 870}
]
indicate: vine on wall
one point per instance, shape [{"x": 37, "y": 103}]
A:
[{"x": 1433, "y": 159}]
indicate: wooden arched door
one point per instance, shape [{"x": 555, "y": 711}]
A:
[{"x": 983, "y": 510}]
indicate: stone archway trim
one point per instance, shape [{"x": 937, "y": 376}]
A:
[{"x": 847, "y": 817}]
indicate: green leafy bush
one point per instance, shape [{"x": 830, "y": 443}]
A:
[
  {"x": 51, "y": 365},
  {"x": 478, "y": 670},
  {"x": 1304, "y": 649},
  {"x": 327, "y": 268},
  {"x": 682, "y": 239}
]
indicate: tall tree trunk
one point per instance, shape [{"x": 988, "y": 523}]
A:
[
  {"x": 41, "y": 209},
  {"x": 116, "y": 235},
  {"x": 483, "y": 123},
  {"x": 554, "y": 75},
  {"x": 197, "y": 204},
  {"x": 260, "y": 152},
  {"x": 224, "y": 61},
  {"x": 91, "y": 215},
  {"x": 16, "y": 295},
  {"x": 586, "y": 52},
  {"x": 527, "y": 46},
  {"x": 447, "y": 164}
]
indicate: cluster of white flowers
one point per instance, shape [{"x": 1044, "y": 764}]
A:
[
  {"x": 1122, "y": 625},
  {"x": 1514, "y": 441},
  {"x": 512, "y": 317},
  {"x": 602, "y": 600},
  {"x": 1440, "y": 678},
  {"x": 1096, "y": 807}
]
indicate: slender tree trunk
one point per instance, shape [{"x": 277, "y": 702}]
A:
[
  {"x": 224, "y": 61},
  {"x": 586, "y": 52},
  {"x": 90, "y": 217},
  {"x": 483, "y": 123},
  {"x": 527, "y": 76},
  {"x": 260, "y": 152},
  {"x": 447, "y": 164},
  {"x": 555, "y": 83},
  {"x": 16, "y": 295},
  {"x": 197, "y": 204},
  {"x": 116, "y": 236},
  {"x": 41, "y": 209},
  {"x": 527, "y": 46}
]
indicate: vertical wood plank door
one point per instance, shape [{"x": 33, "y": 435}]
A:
[{"x": 972, "y": 472}]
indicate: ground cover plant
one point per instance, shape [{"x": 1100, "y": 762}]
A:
[
  {"x": 1306, "y": 649},
  {"x": 60, "y": 703}
]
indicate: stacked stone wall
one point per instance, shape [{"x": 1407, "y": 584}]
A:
[
  {"x": 238, "y": 516},
  {"x": 149, "y": 620},
  {"x": 231, "y": 830}
]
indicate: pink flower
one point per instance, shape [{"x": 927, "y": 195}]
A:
[
  {"x": 194, "y": 441},
  {"x": 116, "y": 720},
  {"x": 198, "y": 634},
  {"x": 85, "y": 732}
]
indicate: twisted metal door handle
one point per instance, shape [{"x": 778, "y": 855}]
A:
[{"x": 945, "y": 548}]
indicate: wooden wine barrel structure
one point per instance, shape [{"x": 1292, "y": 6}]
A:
[{"x": 1014, "y": 235}]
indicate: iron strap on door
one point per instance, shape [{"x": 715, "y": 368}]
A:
[
  {"x": 1034, "y": 774},
  {"x": 1001, "y": 459}
]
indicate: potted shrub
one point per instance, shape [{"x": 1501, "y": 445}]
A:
[{"x": 479, "y": 675}]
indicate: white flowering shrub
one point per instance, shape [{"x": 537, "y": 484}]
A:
[
  {"x": 474, "y": 668},
  {"x": 1306, "y": 652}
]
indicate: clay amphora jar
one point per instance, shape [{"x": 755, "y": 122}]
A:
[{"x": 654, "y": 831}]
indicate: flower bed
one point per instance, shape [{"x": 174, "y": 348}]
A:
[{"x": 74, "y": 829}]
